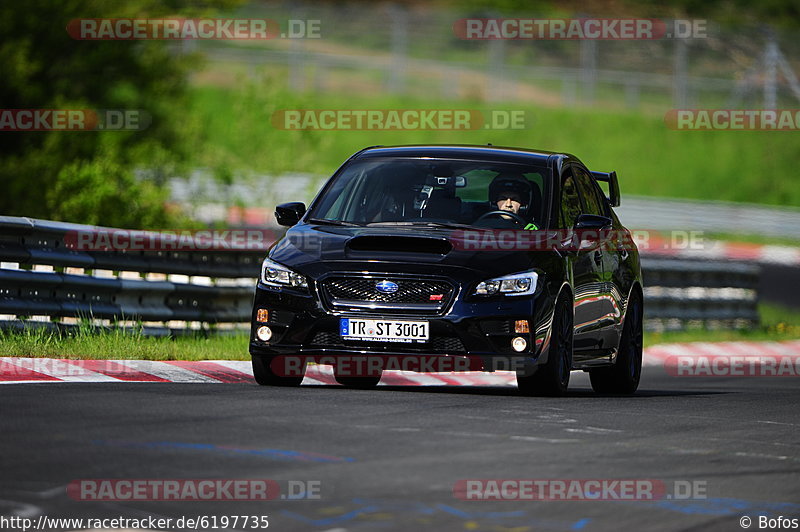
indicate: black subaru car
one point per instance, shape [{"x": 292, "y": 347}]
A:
[{"x": 506, "y": 258}]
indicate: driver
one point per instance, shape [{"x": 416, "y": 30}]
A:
[
  {"x": 511, "y": 193},
  {"x": 509, "y": 201}
]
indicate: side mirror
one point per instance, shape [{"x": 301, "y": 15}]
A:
[
  {"x": 591, "y": 229},
  {"x": 288, "y": 214},
  {"x": 592, "y": 221}
]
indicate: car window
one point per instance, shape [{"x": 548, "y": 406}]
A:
[
  {"x": 570, "y": 201},
  {"x": 592, "y": 198},
  {"x": 479, "y": 180},
  {"x": 343, "y": 195},
  {"x": 441, "y": 190}
]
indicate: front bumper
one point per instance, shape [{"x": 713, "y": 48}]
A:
[{"x": 478, "y": 329}]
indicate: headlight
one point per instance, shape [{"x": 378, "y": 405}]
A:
[
  {"x": 275, "y": 274},
  {"x": 517, "y": 284}
]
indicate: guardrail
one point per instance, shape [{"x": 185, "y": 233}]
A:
[
  {"x": 45, "y": 279},
  {"x": 712, "y": 294}
]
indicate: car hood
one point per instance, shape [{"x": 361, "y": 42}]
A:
[{"x": 317, "y": 249}]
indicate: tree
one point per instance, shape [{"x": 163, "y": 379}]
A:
[{"x": 60, "y": 174}]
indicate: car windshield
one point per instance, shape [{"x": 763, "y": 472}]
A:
[{"x": 443, "y": 192}]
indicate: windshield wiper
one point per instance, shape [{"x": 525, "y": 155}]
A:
[
  {"x": 446, "y": 225},
  {"x": 323, "y": 221}
]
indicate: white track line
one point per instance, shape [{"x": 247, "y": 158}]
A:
[
  {"x": 167, "y": 371},
  {"x": 242, "y": 366},
  {"x": 60, "y": 369}
]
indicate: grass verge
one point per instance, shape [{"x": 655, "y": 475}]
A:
[
  {"x": 651, "y": 159},
  {"x": 121, "y": 344},
  {"x": 788, "y": 240},
  {"x": 778, "y": 323}
]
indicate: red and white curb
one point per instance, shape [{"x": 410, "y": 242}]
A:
[
  {"x": 659, "y": 355},
  {"x": 38, "y": 370},
  {"x": 43, "y": 370},
  {"x": 727, "y": 359}
]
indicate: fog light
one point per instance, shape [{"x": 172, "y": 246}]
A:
[
  {"x": 264, "y": 333},
  {"x": 262, "y": 315},
  {"x": 519, "y": 344},
  {"x": 521, "y": 326}
]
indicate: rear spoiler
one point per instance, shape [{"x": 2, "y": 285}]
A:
[{"x": 613, "y": 186}]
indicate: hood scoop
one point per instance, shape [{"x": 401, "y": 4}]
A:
[{"x": 389, "y": 244}]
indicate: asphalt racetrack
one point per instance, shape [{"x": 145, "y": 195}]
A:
[{"x": 388, "y": 459}]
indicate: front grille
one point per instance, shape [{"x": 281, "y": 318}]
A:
[
  {"x": 449, "y": 344},
  {"x": 408, "y": 290},
  {"x": 412, "y": 295},
  {"x": 327, "y": 338},
  {"x": 496, "y": 326}
]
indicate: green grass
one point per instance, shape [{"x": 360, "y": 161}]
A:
[
  {"x": 649, "y": 158},
  {"x": 788, "y": 240},
  {"x": 783, "y": 319},
  {"x": 118, "y": 344},
  {"x": 778, "y": 324},
  {"x": 722, "y": 335}
]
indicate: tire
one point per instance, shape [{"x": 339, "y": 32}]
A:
[
  {"x": 363, "y": 383},
  {"x": 262, "y": 371},
  {"x": 623, "y": 377},
  {"x": 552, "y": 378}
]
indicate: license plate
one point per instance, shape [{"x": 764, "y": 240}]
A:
[{"x": 383, "y": 330}]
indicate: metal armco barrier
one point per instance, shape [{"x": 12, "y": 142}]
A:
[
  {"x": 718, "y": 294},
  {"x": 119, "y": 285},
  {"x": 216, "y": 285}
]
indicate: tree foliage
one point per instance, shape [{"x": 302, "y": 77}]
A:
[{"x": 113, "y": 178}]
